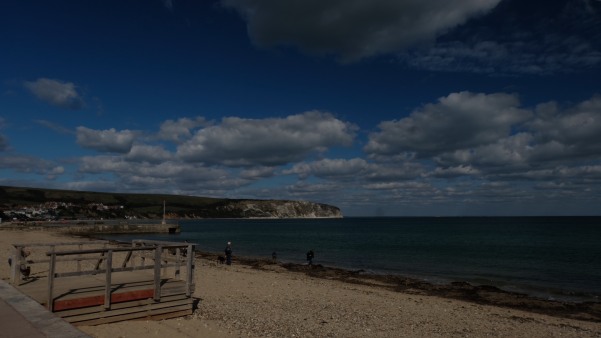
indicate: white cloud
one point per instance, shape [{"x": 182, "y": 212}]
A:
[
  {"x": 559, "y": 174},
  {"x": 490, "y": 138},
  {"x": 415, "y": 186},
  {"x": 109, "y": 140},
  {"x": 357, "y": 170},
  {"x": 554, "y": 40},
  {"x": 465, "y": 150},
  {"x": 147, "y": 153},
  {"x": 492, "y": 57},
  {"x": 177, "y": 130},
  {"x": 3, "y": 139},
  {"x": 169, "y": 175},
  {"x": 353, "y": 29},
  {"x": 395, "y": 171},
  {"x": 55, "y": 172},
  {"x": 56, "y": 92},
  {"x": 330, "y": 168},
  {"x": 304, "y": 188},
  {"x": 258, "y": 173},
  {"x": 510, "y": 152},
  {"x": 552, "y": 135},
  {"x": 104, "y": 164},
  {"x": 575, "y": 132},
  {"x": 450, "y": 172},
  {"x": 268, "y": 142},
  {"x": 3, "y": 143},
  {"x": 458, "y": 121},
  {"x": 168, "y": 169},
  {"x": 29, "y": 164}
]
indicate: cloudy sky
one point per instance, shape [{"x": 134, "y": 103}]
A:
[{"x": 380, "y": 107}]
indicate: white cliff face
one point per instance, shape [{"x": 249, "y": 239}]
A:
[{"x": 282, "y": 209}]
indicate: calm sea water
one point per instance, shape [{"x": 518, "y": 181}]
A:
[{"x": 549, "y": 257}]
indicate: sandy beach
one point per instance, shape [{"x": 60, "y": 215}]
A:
[{"x": 253, "y": 298}]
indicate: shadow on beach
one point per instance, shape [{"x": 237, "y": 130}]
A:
[{"x": 480, "y": 294}]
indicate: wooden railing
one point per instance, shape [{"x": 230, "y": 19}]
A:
[
  {"x": 20, "y": 260},
  {"x": 162, "y": 254}
]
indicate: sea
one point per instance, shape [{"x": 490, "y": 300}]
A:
[{"x": 555, "y": 258}]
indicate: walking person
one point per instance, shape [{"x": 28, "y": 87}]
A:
[
  {"x": 310, "y": 255},
  {"x": 228, "y": 253}
]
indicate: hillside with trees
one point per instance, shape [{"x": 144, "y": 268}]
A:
[{"x": 23, "y": 204}]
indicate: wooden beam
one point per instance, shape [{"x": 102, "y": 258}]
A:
[
  {"x": 157, "y": 273},
  {"x": 107, "y": 285},
  {"x": 15, "y": 274},
  {"x": 51, "y": 269},
  {"x": 177, "y": 262},
  {"x": 190, "y": 267}
]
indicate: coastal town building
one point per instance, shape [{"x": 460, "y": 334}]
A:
[{"x": 56, "y": 211}]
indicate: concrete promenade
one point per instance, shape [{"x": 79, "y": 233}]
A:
[{"x": 22, "y": 317}]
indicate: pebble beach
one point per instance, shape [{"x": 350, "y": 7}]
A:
[{"x": 268, "y": 299}]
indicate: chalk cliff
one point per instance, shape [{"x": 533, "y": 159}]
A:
[{"x": 277, "y": 209}]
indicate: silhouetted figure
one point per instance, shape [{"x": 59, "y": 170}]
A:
[
  {"x": 25, "y": 270},
  {"x": 274, "y": 256},
  {"x": 228, "y": 253},
  {"x": 310, "y": 255}
]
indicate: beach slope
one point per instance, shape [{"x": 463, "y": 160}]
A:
[{"x": 270, "y": 300}]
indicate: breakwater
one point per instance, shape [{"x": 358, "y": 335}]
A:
[{"x": 91, "y": 227}]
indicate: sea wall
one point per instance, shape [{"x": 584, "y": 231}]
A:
[{"x": 84, "y": 228}]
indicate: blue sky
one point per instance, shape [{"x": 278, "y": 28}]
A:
[{"x": 380, "y": 107}]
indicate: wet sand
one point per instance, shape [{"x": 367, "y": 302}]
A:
[{"x": 259, "y": 298}]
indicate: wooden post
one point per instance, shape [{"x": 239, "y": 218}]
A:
[
  {"x": 190, "y": 267},
  {"x": 178, "y": 257},
  {"x": 15, "y": 274},
  {"x": 107, "y": 286},
  {"x": 79, "y": 260},
  {"x": 164, "y": 258},
  {"x": 51, "y": 269},
  {"x": 142, "y": 257},
  {"x": 157, "y": 272}
]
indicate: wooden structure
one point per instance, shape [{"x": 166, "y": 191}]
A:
[
  {"x": 94, "y": 227},
  {"x": 98, "y": 282}
]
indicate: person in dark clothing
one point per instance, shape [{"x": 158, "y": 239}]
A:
[
  {"x": 310, "y": 255},
  {"x": 228, "y": 253},
  {"x": 274, "y": 256}
]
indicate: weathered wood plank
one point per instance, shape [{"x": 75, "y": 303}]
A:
[
  {"x": 88, "y": 301},
  {"x": 119, "y": 249},
  {"x": 124, "y": 305},
  {"x": 173, "y": 306},
  {"x": 190, "y": 267},
  {"x": 157, "y": 274},
  {"x": 174, "y": 311},
  {"x": 50, "y": 290},
  {"x": 74, "y": 287}
]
